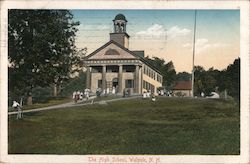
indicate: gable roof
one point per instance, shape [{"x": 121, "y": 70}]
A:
[
  {"x": 183, "y": 85},
  {"x": 107, "y": 44},
  {"x": 125, "y": 49}
]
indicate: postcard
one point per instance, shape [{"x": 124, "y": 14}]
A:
[{"x": 137, "y": 82}]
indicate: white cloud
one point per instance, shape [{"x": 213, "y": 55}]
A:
[
  {"x": 155, "y": 31},
  {"x": 91, "y": 27},
  {"x": 85, "y": 27},
  {"x": 177, "y": 31},
  {"x": 203, "y": 44},
  {"x": 102, "y": 27},
  {"x": 159, "y": 31}
]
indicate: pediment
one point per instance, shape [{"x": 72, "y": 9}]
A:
[{"x": 111, "y": 51}]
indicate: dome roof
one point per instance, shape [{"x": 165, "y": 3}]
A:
[{"x": 120, "y": 17}]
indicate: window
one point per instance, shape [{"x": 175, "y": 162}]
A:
[
  {"x": 129, "y": 68},
  {"x": 112, "y": 69},
  {"x": 129, "y": 84},
  {"x": 148, "y": 86},
  {"x": 96, "y": 69}
]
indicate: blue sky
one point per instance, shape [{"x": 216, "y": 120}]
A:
[{"x": 168, "y": 34}]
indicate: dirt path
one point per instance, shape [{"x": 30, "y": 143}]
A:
[{"x": 73, "y": 104}]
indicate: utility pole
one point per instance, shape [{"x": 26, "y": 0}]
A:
[{"x": 193, "y": 53}]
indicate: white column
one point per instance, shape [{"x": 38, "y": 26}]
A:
[
  {"x": 136, "y": 79},
  {"x": 88, "y": 78},
  {"x": 104, "y": 77},
  {"x": 120, "y": 80}
]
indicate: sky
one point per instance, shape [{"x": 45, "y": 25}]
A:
[{"x": 168, "y": 34}]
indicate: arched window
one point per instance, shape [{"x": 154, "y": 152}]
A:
[
  {"x": 111, "y": 52},
  {"x": 115, "y": 80}
]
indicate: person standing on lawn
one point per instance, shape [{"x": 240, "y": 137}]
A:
[
  {"x": 86, "y": 93},
  {"x": 153, "y": 97},
  {"x": 17, "y": 107},
  {"x": 74, "y": 95},
  {"x": 81, "y": 96}
]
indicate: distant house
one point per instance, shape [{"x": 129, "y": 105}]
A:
[{"x": 183, "y": 88}]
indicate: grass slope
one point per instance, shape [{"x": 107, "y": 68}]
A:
[
  {"x": 41, "y": 105},
  {"x": 168, "y": 126}
]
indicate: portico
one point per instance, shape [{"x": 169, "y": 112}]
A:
[{"x": 114, "y": 73}]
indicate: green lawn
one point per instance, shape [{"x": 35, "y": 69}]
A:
[{"x": 136, "y": 126}]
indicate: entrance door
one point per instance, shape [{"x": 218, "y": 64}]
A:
[
  {"x": 115, "y": 82},
  {"x": 115, "y": 85}
]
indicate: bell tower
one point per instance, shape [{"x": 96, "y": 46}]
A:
[
  {"x": 120, "y": 35},
  {"x": 120, "y": 23}
]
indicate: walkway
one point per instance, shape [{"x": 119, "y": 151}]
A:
[{"x": 73, "y": 104}]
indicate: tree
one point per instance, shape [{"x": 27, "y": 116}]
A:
[
  {"x": 183, "y": 76},
  {"x": 169, "y": 74},
  {"x": 41, "y": 48},
  {"x": 167, "y": 70},
  {"x": 73, "y": 84},
  {"x": 205, "y": 81},
  {"x": 212, "y": 79},
  {"x": 231, "y": 78},
  {"x": 216, "y": 74},
  {"x": 199, "y": 75}
]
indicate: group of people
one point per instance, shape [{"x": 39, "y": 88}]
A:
[
  {"x": 148, "y": 94},
  {"x": 112, "y": 90},
  {"x": 165, "y": 93},
  {"x": 107, "y": 91},
  {"x": 78, "y": 95}
]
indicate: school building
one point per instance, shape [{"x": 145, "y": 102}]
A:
[{"x": 113, "y": 65}]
